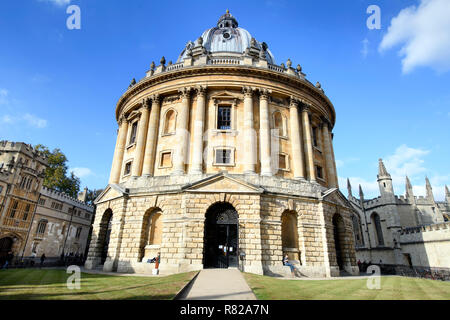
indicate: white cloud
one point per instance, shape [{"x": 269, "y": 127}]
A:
[
  {"x": 365, "y": 48},
  {"x": 57, "y": 2},
  {"x": 7, "y": 119},
  {"x": 423, "y": 33},
  {"x": 34, "y": 121},
  {"x": 81, "y": 172}
]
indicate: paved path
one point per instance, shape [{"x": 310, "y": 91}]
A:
[{"x": 219, "y": 284}]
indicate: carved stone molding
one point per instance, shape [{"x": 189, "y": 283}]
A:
[
  {"x": 248, "y": 92},
  {"x": 201, "y": 90},
  {"x": 185, "y": 92},
  {"x": 264, "y": 93}
]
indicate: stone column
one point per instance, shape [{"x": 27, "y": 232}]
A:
[
  {"x": 249, "y": 155},
  {"x": 334, "y": 160},
  {"x": 308, "y": 144},
  {"x": 199, "y": 124},
  {"x": 141, "y": 139},
  {"x": 182, "y": 132},
  {"x": 331, "y": 174},
  {"x": 264, "y": 133},
  {"x": 119, "y": 151},
  {"x": 296, "y": 145},
  {"x": 152, "y": 137}
]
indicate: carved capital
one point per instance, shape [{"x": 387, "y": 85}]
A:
[
  {"x": 121, "y": 120},
  {"x": 185, "y": 92},
  {"x": 325, "y": 122},
  {"x": 156, "y": 99},
  {"x": 248, "y": 92},
  {"x": 146, "y": 103},
  {"x": 264, "y": 93},
  {"x": 293, "y": 102},
  {"x": 201, "y": 90}
]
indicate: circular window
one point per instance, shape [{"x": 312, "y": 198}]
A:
[{"x": 226, "y": 35}]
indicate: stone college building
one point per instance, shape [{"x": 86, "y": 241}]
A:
[{"x": 224, "y": 159}]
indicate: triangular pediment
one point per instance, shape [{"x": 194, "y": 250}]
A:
[
  {"x": 111, "y": 192},
  {"x": 223, "y": 183},
  {"x": 334, "y": 195},
  {"x": 225, "y": 95}
]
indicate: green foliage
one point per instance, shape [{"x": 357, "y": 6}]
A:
[
  {"x": 56, "y": 174},
  {"x": 92, "y": 195}
]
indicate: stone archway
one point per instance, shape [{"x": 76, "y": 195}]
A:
[
  {"x": 6, "y": 244},
  {"x": 339, "y": 239},
  {"x": 105, "y": 234},
  {"x": 221, "y": 236}
]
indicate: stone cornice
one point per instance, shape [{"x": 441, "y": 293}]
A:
[{"x": 261, "y": 73}]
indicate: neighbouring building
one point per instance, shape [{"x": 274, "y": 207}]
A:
[
  {"x": 404, "y": 230},
  {"x": 34, "y": 219},
  {"x": 224, "y": 159}
]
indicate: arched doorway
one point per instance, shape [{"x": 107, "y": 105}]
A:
[
  {"x": 151, "y": 235},
  {"x": 339, "y": 233},
  {"x": 289, "y": 235},
  {"x": 221, "y": 236},
  {"x": 5, "y": 247},
  {"x": 104, "y": 235}
]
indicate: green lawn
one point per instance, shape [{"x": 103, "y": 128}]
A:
[
  {"x": 392, "y": 288},
  {"x": 49, "y": 284}
]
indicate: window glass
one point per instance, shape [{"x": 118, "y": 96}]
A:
[{"x": 224, "y": 118}]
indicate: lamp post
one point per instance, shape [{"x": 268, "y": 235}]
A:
[{"x": 68, "y": 230}]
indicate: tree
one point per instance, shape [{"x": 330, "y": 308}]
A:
[
  {"x": 56, "y": 173},
  {"x": 92, "y": 195}
]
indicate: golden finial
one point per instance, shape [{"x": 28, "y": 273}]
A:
[{"x": 228, "y": 11}]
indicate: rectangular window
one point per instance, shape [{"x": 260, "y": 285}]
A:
[
  {"x": 319, "y": 172},
  {"x": 166, "y": 159},
  {"x": 282, "y": 164},
  {"x": 78, "y": 233},
  {"x": 314, "y": 132},
  {"x": 223, "y": 156},
  {"x": 25, "y": 214},
  {"x": 133, "y": 133},
  {"x": 14, "y": 209},
  {"x": 224, "y": 118},
  {"x": 127, "y": 168},
  {"x": 41, "y": 202}
]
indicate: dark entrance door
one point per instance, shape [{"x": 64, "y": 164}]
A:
[
  {"x": 337, "y": 242},
  {"x": 106, "y": 244},
  {"x": 5, "y": 247},
  {"x": 221, "y": 237}
]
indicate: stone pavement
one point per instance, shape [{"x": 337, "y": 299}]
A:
[{"x": 219, "y": 284}]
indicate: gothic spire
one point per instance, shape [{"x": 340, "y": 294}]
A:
[
  {"x": 429, "y": 189},
  {"x": 382, "y": 172},
  {"x": 361, "y": 193},
  {"x": 409, "y": 189},
  {"x": 447, "y": 195},
  {"x": 349, "y": 188}
]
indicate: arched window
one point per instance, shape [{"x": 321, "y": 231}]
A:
[
  {"x": 278, "y": 124},
  {"x": 289, "y": 235},
  {"x": 151, "y": 236},
  {"x": 359, "y": 241},
  {"x": 155, "y": 235},
  {"x": 170, "y": 122},
  {"x": 41, "y": 227},
  {"x": 378, "y": 231}
]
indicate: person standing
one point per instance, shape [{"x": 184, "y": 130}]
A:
[{"x": 42, "y": 260}]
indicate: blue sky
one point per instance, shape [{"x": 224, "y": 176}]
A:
[{"x": 390, "y": 87}]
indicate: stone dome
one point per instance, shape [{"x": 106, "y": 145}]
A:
[{"x": 227, "y": 38}]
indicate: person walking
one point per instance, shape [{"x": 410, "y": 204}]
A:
[
  {"x": 42, "y": 260},
  {"x": 9, "y": 258},
  {"x": 290, "y": 265}
]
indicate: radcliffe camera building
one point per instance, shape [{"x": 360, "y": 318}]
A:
[{"x": 224, "y": 159}]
